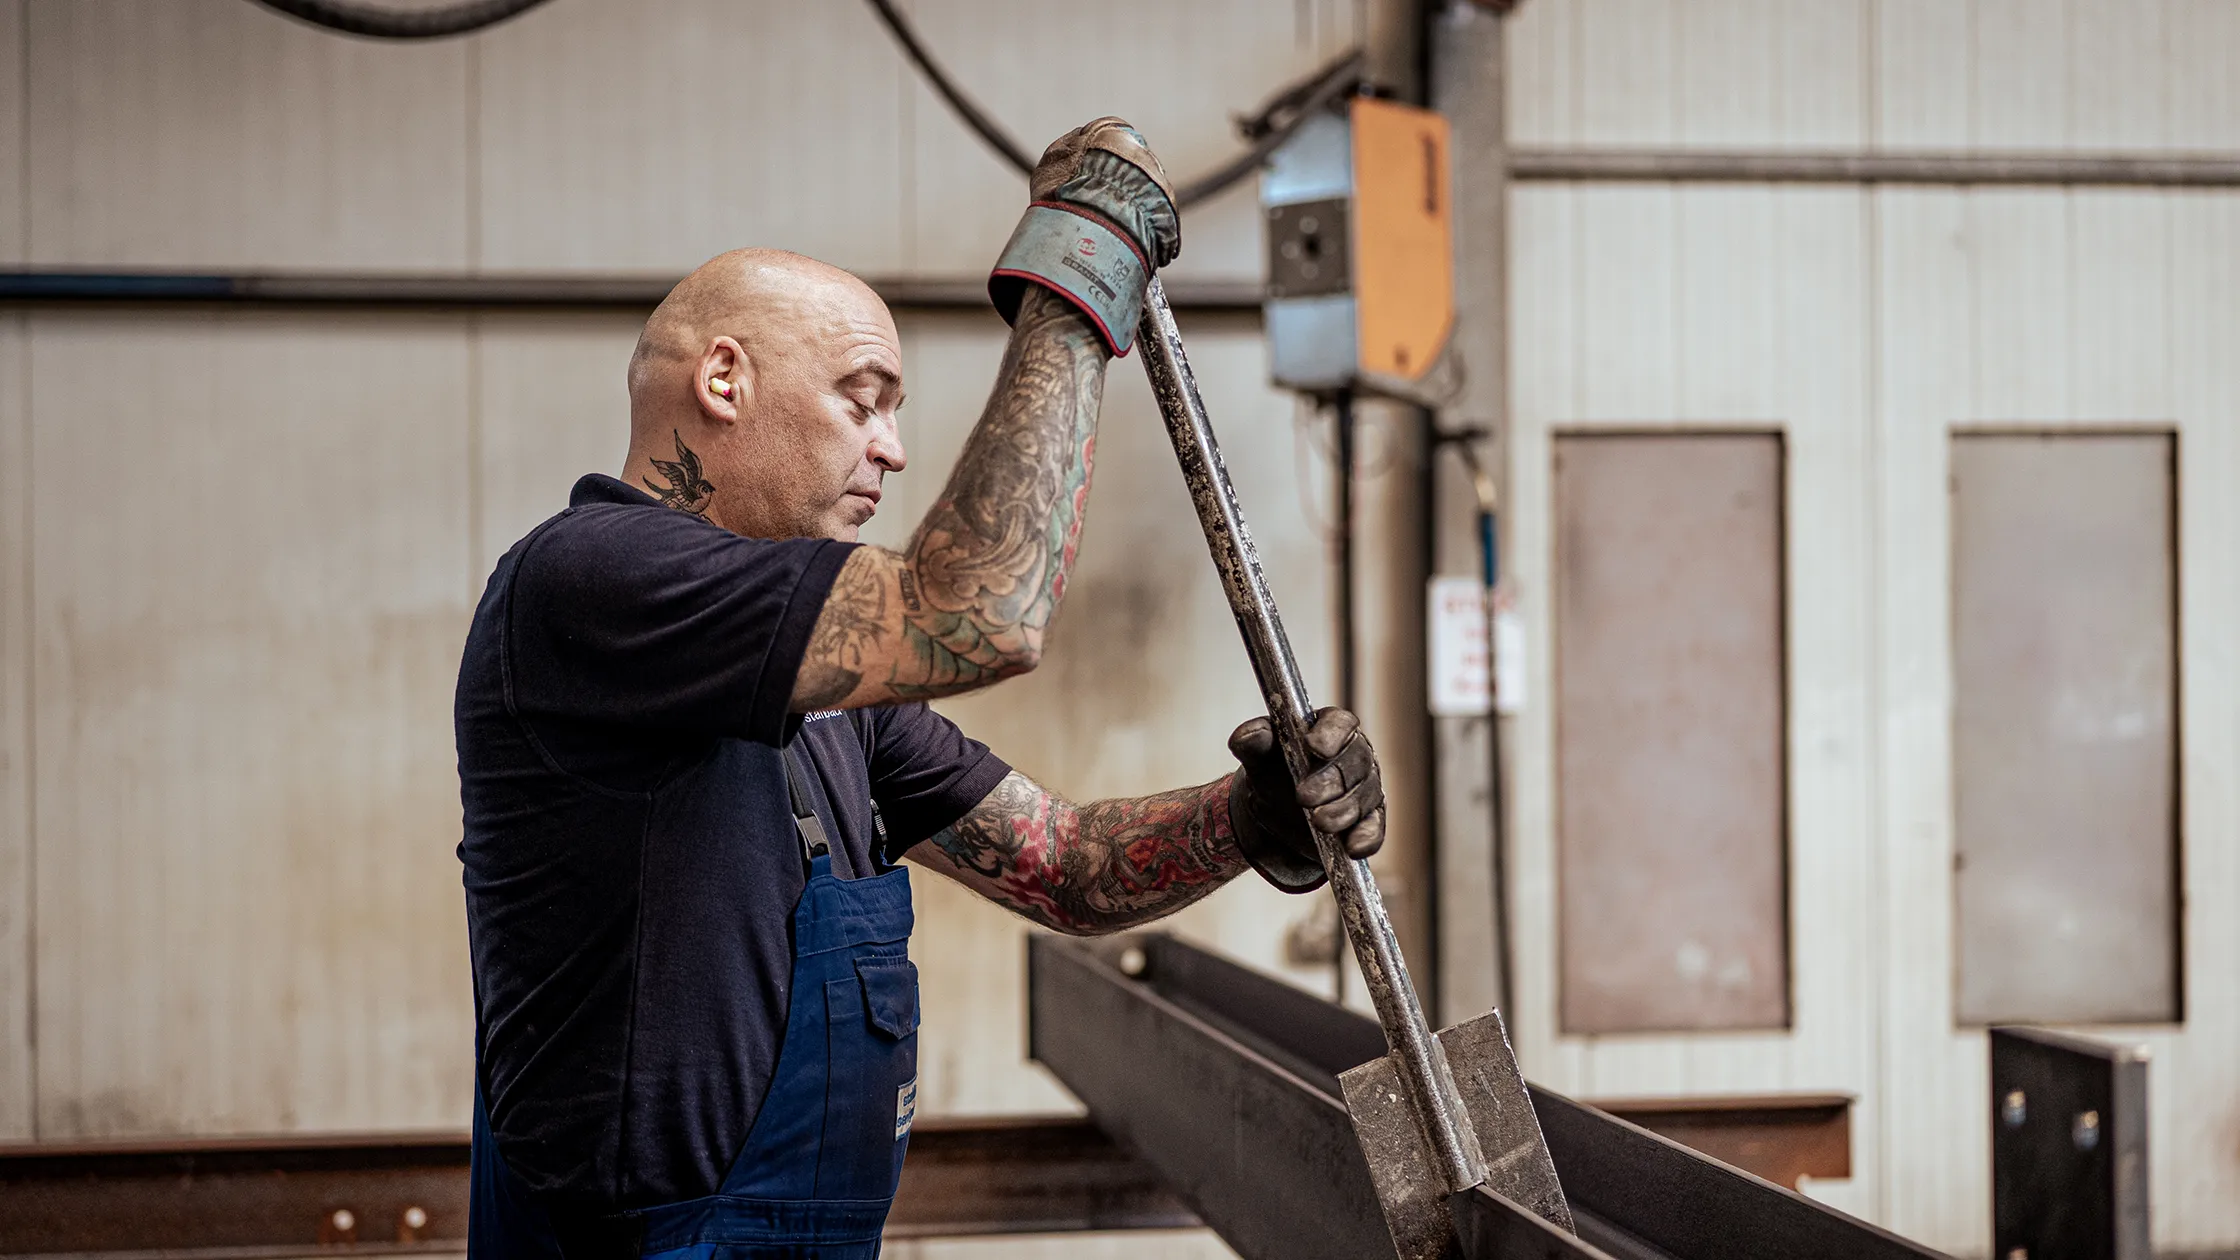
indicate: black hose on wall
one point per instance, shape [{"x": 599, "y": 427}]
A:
[{"x": 379, "y": 22}]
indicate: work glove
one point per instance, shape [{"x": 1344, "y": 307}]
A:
[
  {"x": 1103, "y": 219},
  {"x": 1343, "y": 789}
]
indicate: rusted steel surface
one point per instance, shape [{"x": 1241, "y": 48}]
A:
[
  {"x": 2065, "y": 727},
  {"x": 1671, "y": 741},
  {"x": 1783, "y": 1138},
  {"x": 408, "y": 1192},
  {"x": 1423, "y": 1073},
  {"x": 1226, "y": 1082},
  {"x": 232, "y": 1193}
]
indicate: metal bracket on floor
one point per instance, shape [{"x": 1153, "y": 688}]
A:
[{"x": 2068, "y": 1148}]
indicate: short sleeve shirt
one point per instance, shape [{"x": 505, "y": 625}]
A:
[{"x": 631, "y": 863}]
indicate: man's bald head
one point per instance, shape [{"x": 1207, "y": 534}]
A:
[
  {"x": 779, "y": 376},
  {"x": 746, "y": 293}
]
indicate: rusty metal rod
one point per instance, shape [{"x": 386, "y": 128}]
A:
[
  {"x": 1422, "y": 1066},
  {"x": 2137, "y": 170}
]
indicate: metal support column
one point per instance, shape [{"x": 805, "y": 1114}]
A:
[{"x": 1467, "y": 86}]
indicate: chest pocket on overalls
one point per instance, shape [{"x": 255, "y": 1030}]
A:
[{"x": 874, "y": 1071}]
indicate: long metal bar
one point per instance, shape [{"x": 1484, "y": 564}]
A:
[
  {"x": 2080, "y": 169},
  {"x": 633, "y": 292},
  {"x": 1225, "y": 1081},
  {"x": 1423, "y": 1070},
  {"x": 1168, "y": 1047},
  {"x": 195, "y": 1197}
]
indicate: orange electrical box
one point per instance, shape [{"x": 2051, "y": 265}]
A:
[
  {"x": 1403, "y": 238},
  {"x": 1361, "y": 255}
]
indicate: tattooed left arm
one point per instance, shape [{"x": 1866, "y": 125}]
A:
[{"x": 1089, "y": 869}]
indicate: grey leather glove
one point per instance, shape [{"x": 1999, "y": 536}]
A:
[
  {"x": 1102, "y": 221},
  {"x": 1343, "y": 792}
]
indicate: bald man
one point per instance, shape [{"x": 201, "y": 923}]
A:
[{"x": 694, "y": 749}]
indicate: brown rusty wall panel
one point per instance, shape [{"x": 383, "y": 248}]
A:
[
  {"x": 2065, "y": 733},
  {"x": 1671, "y": 768}
]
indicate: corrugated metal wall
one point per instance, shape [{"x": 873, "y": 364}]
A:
[
  {"x": 1869, "y": 325},
  {"x": 238, "y": 549}
]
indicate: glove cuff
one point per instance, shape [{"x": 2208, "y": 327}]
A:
[
  {"x": 1276, "y": 862},
  {"x": 1081, "y": 256}
]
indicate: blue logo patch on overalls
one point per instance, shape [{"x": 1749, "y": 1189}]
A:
[{"x": 905, "y": 1108}]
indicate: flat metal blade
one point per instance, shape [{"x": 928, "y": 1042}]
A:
[{"x": 1407, "y": 1182}]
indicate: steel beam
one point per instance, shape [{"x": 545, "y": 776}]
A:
[
  {"x": 1783, "y": 1138},
  {"x": 1249, "y": 1130},
  {"x": 1668, "y": 166},
  {"x": 1629, "y": 1186},
  {"x": 212, "y": 1197},
  {"x": 2068, "y": 1148},
  {"x": 1225, "y": 1081},
  {"x": 632, "y": 292}
]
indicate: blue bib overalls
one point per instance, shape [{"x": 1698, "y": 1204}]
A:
[{"x": 819, "y": 1167}]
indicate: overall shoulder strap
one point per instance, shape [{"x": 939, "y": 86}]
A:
[{"x": 805, "y": 821}]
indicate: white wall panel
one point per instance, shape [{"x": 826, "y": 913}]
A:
[
  {"x": 2092, "y": 75},
  {"x": 15, "y": 732},
  {"x": 1547, "y": 350},
  {"x": 2088, "y": 309},
  {"x": 2019, "y": 73},
  {"x": 1900, "y": 74},
  {"x": 14, "y": 70},
  {"x": 1540, "y": 49},
  {"x": 2019, "y": 305},
  {"x": 1706, "y": 73},
  {"x": 1922, "y": 57},
  {"x": 1633, "y": 43},
  {"x": 615, "y": 137},
  {"x": 1177, "y": 69},
  {"x": 2121, "y": 253},
  {"x": 1727, "y": 70},
  {"x": 1931, "y": 1189},
  {"x": 1713, "y": 308},
  {"x": 2195, "y": 1080},
  {"x": 2200, "y": 47},
  {"x": 210, "y": 133},
  {"x": 2118, "y": 74},
  {"x": 550, "y": 406},
  {"x": 1628, "y": 282},
  {"x": 250, "y": 590}
]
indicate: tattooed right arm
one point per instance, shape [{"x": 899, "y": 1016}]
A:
[{"x": 967, "y": 603}]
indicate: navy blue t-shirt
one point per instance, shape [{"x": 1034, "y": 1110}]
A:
[{"x": 631, "y": 860}]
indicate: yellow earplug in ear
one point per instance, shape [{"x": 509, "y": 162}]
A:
[{"x": 720, "y": 386}]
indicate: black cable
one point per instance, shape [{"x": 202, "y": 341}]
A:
[
  {"x": 377, "y": 22},
  {"x": 1335, "y": 81},
  {"x": 1302, "y": 100},
  {"x": 985, "y": 127}
]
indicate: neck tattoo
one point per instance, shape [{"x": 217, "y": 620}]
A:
[{"x": 687, "y": 490}]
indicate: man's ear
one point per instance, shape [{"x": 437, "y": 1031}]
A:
[{"x": 723, "y": 382}]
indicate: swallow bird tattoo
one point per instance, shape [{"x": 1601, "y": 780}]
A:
[{"x": 687, "y": 490}]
